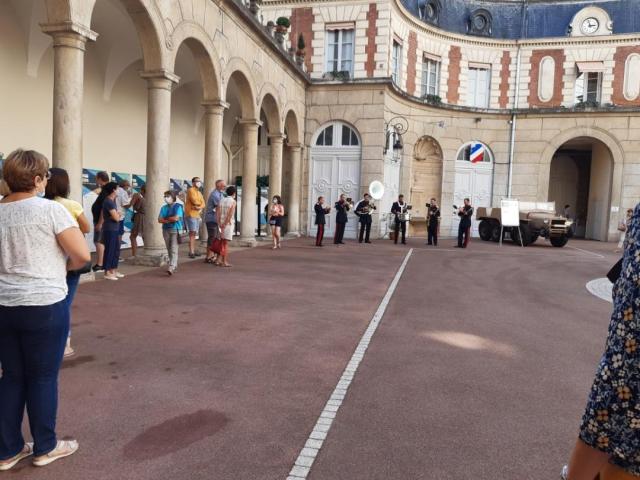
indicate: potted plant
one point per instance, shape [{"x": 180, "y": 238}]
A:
[
  {"x": 282, "y": 24},
  {"x": 432, "y": 99}
]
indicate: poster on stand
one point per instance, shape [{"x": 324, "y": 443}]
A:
[{"x": 137, "y": 182}]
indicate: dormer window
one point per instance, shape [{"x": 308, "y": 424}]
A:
[
  {"x": 429, "y": 11},
  {"x": 480, "y": 23}
]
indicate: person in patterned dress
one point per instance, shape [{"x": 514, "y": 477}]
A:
[{"x": 609, "y": 439}]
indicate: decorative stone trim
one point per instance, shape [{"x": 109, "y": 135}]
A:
[
  {"x": 412, "y": 59},
  {"x": 558, "y": 56},
  {"x": 619, "y": 74},
  {"x": 453, "y": 84},
  {"x": 371, "y": 47},
  {"x": 505, "y": 74}
]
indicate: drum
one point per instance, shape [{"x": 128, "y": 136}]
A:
[{"x": 404, "y": 217}]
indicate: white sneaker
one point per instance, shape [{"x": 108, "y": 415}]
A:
[
  {"x": 119, "y": 275},
  {"x": 565, "y": 473},
  {"x": 110, "y": 277}
]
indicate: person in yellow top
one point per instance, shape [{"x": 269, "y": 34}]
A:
[
  {"x": 193, "y": 207},
  {"x": 57, "y": 189}
]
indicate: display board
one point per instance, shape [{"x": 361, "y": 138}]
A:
[{"x": 510, "y": 212}]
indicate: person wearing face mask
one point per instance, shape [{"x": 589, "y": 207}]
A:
[
  {"x": 276, "y": 212},
  {"x": 194, "y": 205},
  {"x": 40, "y": 242},
  {"x": 211, "y": 218},
  {"x": 320, "y": 211},
  {"x": 170, "y": 217},
  {"x": 111, "y": 232}
]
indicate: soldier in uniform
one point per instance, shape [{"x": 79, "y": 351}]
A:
[
  {"x": 342, "y": 206},
  {"x": 433, "y": 220},
  {"x": 321, "y": 211},
  {"x": 464, "y": 229},
  {"x": 397, "y": 209},
  {"x": 363, "y": 210}
]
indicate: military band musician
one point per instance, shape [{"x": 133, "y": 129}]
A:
[
  {"x": 320, "y": 211},
  {"x": 401, "y": 211},
  {"x": 363, "y": 211},
  {"x": 342, "y": 207},
  {"x": 464, "y": 229},
  {"x": 433, "y": 222}
]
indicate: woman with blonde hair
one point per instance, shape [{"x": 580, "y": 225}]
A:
[{"x": 39, "y": 242}]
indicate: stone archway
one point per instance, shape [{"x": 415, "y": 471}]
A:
[
  {"x": 426, "y": 180},
  {"x": 580, "y": 176},
  {"x": 601, "y": 140}
]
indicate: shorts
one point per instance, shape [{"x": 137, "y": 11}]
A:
[
  {"x": 97, "y": 236},
  {"x": 121, "y": 228},
  {"x": 277, "y": 221},
  {"x": 138, "y": 224},
  {"x": 193, "y": 224}
]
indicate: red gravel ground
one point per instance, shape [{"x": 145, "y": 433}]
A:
[{"x": 479, "y": 370}]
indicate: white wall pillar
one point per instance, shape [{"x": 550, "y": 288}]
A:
[
  {"x": 249, "y": 217},
  {"x": 295, "y": 186},
  {"x": 159, "y": 85},
  {"x": 69, "y": 44},
  {"x": 275, "y": 165}
]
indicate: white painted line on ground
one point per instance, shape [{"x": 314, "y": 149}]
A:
[
  {"x": 587, "y": 251},
  {"x": 601, "y": 288},
  {"x": 322, "y": 427}
]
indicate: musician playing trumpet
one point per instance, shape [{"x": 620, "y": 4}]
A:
[
  {"x": 342, "y": 207},
  {"x": 363, "y": 211},
  {"x": 401, "y": 211}
]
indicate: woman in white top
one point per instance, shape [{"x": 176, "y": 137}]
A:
[
  {"x": 39, "y": 242},
  {"x": 225, "y": 213}
]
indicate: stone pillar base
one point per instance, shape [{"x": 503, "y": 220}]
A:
[
  {"x": 150, "y": 259},
  {"x": 244, "y": 242}
]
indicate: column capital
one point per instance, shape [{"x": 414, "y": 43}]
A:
[
  {"x": 215, "y": 107},
  {"x": 250, "y": 121},
  {"x": 69, "y": 34},
  {"x": 163, "y": 79},
  {"x": 277, "y": 138},
  {"x": 295, "y": 146}
]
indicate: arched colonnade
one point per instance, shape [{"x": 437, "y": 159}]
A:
[{"x": 223, "y": 75}]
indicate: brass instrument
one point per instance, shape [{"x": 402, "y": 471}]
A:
[{"x": 368, "y": 208}]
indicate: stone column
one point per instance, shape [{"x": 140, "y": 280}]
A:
[
  {"x": 159, "y": 84},
  {"x": 69, "y": 43},
  {"x": 275, "y": 165},
  {"x": 213, "y": 121},
  {"x": 249, "y": 217},
  {"x": 293, "y": 226}
]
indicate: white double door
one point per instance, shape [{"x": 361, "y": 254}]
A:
[
  {"x": 473, "y": 181},
  {"x": 334, "y": 170}
]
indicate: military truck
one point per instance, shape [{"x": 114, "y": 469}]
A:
[{"x": 537, "y": 219}]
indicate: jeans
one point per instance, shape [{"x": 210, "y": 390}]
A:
[
  {"x": 171, "y": 241},
  {"x": 32, "y": 341},
  {"x": 73, "y": 279}
]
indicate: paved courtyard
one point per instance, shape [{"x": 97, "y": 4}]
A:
[{"x": 478, "y": 370}]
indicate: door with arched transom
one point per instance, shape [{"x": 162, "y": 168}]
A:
[{"x": 334, "y": 169}]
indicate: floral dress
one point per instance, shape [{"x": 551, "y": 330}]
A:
[{"x": 611, "y": 422}]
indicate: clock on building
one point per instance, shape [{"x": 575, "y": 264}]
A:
[{"x": 590, "y": 26}]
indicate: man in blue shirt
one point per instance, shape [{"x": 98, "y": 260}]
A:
[{"x": 213, "y": 232}]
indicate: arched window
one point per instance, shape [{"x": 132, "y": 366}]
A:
[
  {"x": 475, "y": 152},
  {"x": 337, "y": 135}
]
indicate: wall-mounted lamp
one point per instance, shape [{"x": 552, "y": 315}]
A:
[{"x": 394, "y": 129}]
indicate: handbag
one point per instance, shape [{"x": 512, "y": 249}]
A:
[
  {"x": 622, "y": 227},
  {"x": 615, "y": 272},
  {"x": 216, "y": 246}
]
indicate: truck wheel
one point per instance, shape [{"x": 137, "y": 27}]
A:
[
  {"x": 526, "y": 235},
  {"x": 495, "y": 232},
  {"x": 534, "y": 237},
  {"x": 560, "y": 241},
  {"x": 484, "y": 230}
]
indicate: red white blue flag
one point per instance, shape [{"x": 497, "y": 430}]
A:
[{"x": 477, "y": 153}]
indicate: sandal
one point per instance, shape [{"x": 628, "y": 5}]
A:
[
  {"x": 9, "y": 463},
  {"x": 64, "y": 448}
]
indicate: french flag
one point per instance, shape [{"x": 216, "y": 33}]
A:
[{"x": 477, "y": 153}]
